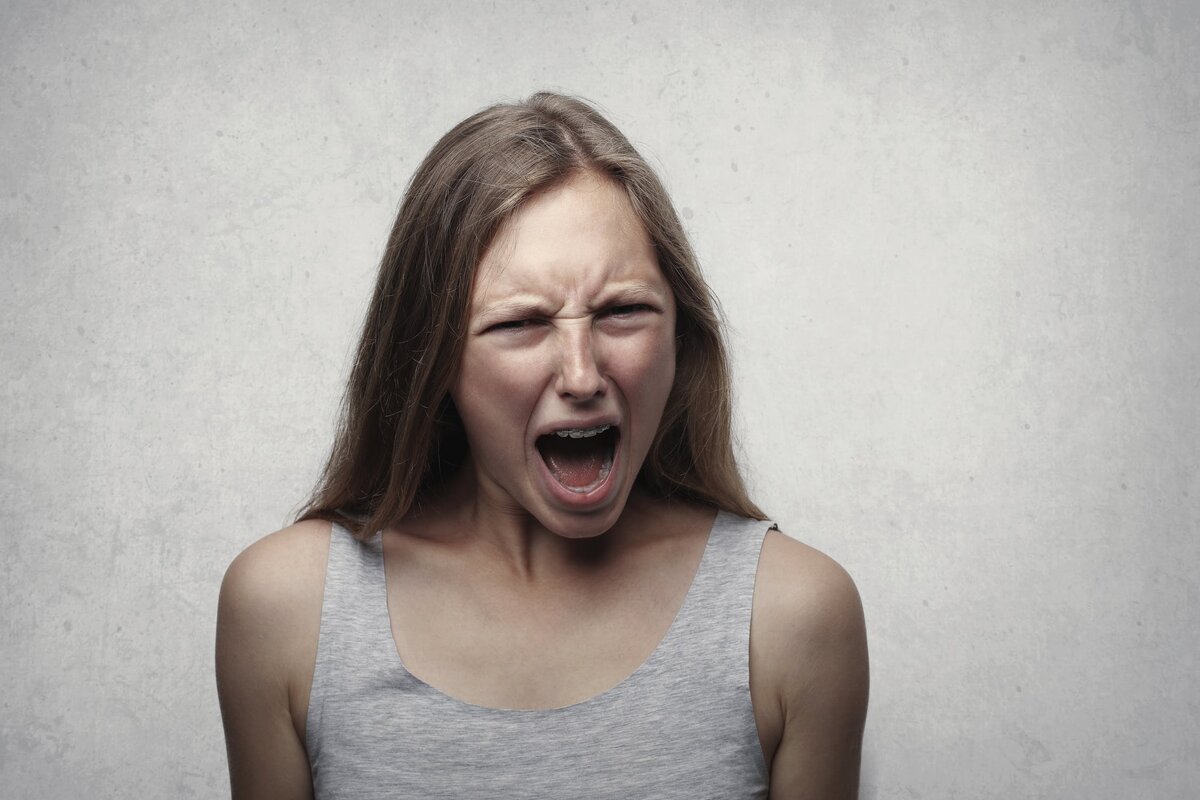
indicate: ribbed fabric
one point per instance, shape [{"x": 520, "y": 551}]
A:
[{"x": 681, "y": 726}]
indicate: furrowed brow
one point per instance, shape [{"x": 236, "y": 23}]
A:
[
  {"x": 515, "y": 308},
  {"x": 633, "y": 291}
]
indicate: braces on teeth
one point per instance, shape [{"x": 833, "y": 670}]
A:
[{"x": 582, "y": 433}]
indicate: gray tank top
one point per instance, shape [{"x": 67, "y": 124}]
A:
[{"x": 681, "y": 726}]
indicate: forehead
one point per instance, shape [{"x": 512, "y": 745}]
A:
[{"x": 566, "y": 243}]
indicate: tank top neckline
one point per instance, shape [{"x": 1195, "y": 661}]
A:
[{"x": 625, "y": 684}]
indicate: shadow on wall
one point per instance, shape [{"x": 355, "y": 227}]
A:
[{"x": 868, "y": 790}]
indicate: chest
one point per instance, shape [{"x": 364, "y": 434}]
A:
[
  {"x": 505, "y": 644},
  {"x": 572, "y": 704}
]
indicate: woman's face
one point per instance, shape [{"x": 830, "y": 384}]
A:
[{"x": 569, "y": 358}]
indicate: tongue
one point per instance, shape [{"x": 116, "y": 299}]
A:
[{"x": 575, "y": 463}]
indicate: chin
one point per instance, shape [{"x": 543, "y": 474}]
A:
[{"x": 574, "y": 524}]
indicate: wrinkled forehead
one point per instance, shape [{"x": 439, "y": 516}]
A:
[{"x": 574, "y": 238}]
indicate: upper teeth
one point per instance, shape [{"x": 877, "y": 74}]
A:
[{"x": 582, "y": 433}]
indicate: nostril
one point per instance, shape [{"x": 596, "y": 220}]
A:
[
  {"x": 580, "y": 377},
  {"x": 582, "y": 384}
]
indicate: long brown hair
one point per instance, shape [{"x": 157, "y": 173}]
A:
[{"x": 399, "y": 435}]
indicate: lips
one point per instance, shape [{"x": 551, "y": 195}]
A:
[{"x": 579, "y": 459}]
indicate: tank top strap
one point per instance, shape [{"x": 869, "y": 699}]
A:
[
  {"x": 355, "y": 626},
  {"x": 713, "y": 623}
]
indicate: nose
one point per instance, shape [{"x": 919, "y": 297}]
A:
[{"x": 579, "y": 375}]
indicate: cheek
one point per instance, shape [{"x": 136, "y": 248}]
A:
[
  {"x": 495, "y": 387},
  {"x": 501, "y": 368},
  {"x": 647, "y": 367}
]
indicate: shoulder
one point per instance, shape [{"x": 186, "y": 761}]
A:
[
  {"x": 808, "y": 643},
  {"x": 268, "y": 623},
  {"x": 804, "y": 594},
  {"x": 270, "y": 576},
  {"x": 269, "y": 612}
]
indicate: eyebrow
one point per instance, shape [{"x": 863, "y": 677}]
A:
[
  {"x": 634, "y": 290},
  {"x": 512, "y": 308},
  {"x": 522, "y": 305}
]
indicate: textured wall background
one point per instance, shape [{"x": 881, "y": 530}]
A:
[{"x": 956, "y": 241}]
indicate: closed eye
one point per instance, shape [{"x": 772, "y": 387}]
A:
[
  {"x": 628, "y": 310},
  {"x": 512, "y": 325}
]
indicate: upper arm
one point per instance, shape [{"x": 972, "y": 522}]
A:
[
  {"x": 809, "y": 654},
  {"x": 268, "y": 622}
]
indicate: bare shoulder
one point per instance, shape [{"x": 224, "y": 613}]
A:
[
  {"x": 269, "y": 613},
  {"x": 809, "y": 670},
  {"x": 803, "y": 595},
  {"x": 284, "y": 567},
  {"x": 268, "y": 623},
  {"x": 271, "y": 594}
]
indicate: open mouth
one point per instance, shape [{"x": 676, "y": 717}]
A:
[{"x": 579, "y": 458}]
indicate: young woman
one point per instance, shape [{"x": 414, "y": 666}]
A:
[{"x": 531, "y": 566}]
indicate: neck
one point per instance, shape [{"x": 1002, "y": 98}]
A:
[{"x": 508, "y": 538}]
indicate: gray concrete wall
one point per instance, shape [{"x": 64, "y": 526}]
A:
[{"x": 956, "y": 242}]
